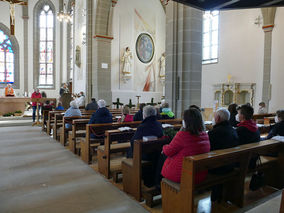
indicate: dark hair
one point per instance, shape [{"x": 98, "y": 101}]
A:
[
  {"x": 47, "y": 102},
  {"x": 93, "y": 99},
  {"x": 165, "y": 105},
  {"x": 261, "y": 104},
  {"x": 247, "y": 111},
  {"x": 280, "y": 114},
  {"x": 43, "y": 94},
  {"x": 141, "y": 106},
  {"x": 193, "y": 121},
  {"x": 233, "y": 108},
  {"x": 193, "y": 106}
]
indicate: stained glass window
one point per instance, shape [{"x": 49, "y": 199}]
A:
[
  {"x": 46, "y": 44},
  {"x": 210, "y": 37},
  {"x": 7, "y": 71}
]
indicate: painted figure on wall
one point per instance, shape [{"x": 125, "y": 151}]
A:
[
  {"x": 162, "y": 73},
  {"x": 126, "y": 63}
]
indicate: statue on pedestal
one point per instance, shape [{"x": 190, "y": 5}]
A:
[{"x": 126, "y": 66}]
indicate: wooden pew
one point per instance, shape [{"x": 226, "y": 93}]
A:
[
  {"x": 58, "y": 117},
  {"x": 78, "y": 132},
  {"x": 282, "y": 203},
  {"x": 180, "y": 197},
  {"x": 44, "y": 119},
  {"x": 132, "y": 169},
  {"x": 64, "y": 131},
  {"x": 101, "y": 128},
  {"x": 50, "y": 120},
  {"x": 105, "y": 151}
]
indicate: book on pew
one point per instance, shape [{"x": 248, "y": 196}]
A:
[
  {"x": 164, "y": 126},
  {"x": 150, "y": 138},
  {"x": 278, "y": 138},
  {"x": 126, "y": 128}
]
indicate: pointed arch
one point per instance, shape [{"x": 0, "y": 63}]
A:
[
  {"x": 44, "y": 44},
  {"x": 15, "y": 80}
]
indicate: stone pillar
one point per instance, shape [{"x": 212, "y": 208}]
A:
[
  {"x": 61, "y": 47},
  {"x": 183, "y": 56},
  {"x": 89, "y": 44},
  {"x": 26, "y": 47},
  {"x": 101, "y": 73},
  {"x": 268, "y": 25}
]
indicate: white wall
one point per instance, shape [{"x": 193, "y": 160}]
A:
[
  {"x": 241, "y": 52},
  {"x": 126, "y": 28},
  {"x": 241, "y": 44}
]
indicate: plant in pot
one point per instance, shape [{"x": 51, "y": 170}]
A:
[{"x": 18, "y": 113}]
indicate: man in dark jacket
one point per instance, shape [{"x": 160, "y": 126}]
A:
[
  {"x": 93, "y": 105},
  {"x": 149, "y": 127},
  {"x": 278, "y": 128},
  {"x": 247, "y": 129},
  {"x": 222, "y": 136},
  {"x": 102, "y": 115},
  {"x": 139, "y": 115}
]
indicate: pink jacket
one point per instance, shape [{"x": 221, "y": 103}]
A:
[
  {"x": 35, "y": 95},
  {"x": 184, "y": 144}
]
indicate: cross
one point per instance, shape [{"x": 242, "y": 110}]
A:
[
  {"x": 117, "y": 103},
  {"x": 152, "y": 102},
  {"x": 12, "y": 12},
  {"x": 130, "y": 105}
]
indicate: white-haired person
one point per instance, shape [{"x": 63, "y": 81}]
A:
[
  {"x": 73, "y": 110},
  {"x": 222, "y": 136},
  {"x": 102, "y": 115},
  {"x": 149, "y": 127}
]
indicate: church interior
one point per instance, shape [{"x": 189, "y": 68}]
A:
[{"x": 141, "y": 106}]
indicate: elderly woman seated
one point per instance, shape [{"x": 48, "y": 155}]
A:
[
  {"x": 73, "y": 110},
  {"x": 126, "y": 117}
]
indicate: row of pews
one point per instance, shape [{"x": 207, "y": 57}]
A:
[{"x": 111, "y": 144}]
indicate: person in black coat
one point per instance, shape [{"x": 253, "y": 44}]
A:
[
  {"x": 93, "y": 105},
  {"x": 139, "y": 115},
  {"x": 233, "y": 112},
  {"x": 278, "y": 128},
  {"x": 102, "y": 115},
  {"x": 222, "y": 136},
  {"x": 149, "y": 127},
  {"x": 247, "y": 129}
]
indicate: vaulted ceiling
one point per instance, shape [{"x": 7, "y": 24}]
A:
[{"x": 230, "y": 4}]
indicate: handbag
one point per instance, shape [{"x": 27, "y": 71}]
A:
[{"x": 257, "y": 179}]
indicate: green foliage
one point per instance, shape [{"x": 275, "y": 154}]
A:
[
  {"x": 130, "y": 105},
  {"x": 18, "y": 111},
  {"x": 9, "y": 114},
  {"x": 170, "y": 132},
  {"x": 117, "y": 103}
]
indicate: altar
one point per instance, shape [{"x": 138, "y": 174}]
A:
[{"x": 12, "y": 104}]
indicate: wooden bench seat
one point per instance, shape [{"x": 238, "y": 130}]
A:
[{"x": 180, "y": 197}]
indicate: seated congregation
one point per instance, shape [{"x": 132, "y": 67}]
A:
[{"x": 152, "y": 158}]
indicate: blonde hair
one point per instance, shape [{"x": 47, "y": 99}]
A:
[{"x": 125, "y": 110}]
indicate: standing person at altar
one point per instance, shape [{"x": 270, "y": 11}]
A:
[
  {"x": 63, "y": 89},
  {"x": 9, "y": 91},
  {"x": 36, "y": 94}
]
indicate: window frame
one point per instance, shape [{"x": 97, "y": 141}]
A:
[
  {"x": 70, "y": 29},
  {"x": 37, "y": 10},
  {"x": 15, "y": 48},
  {"x": 211, "y": 60}
]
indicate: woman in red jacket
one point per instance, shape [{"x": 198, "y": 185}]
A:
[{"x": 193, "y": 140}]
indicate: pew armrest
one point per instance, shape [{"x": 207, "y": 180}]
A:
[{"x": 171, "y": 184}]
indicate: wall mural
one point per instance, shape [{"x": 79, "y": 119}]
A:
[{"x": 145, "y": 48}]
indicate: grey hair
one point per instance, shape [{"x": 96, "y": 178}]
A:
[
  {"x": 74, "y": 104},
  {"x": 101, "y": 103},
  {"x": 224, "y": 114},
  {"x": 149, "y": 111}
]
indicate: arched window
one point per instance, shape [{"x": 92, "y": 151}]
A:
[
  {"x": 44, "y": 32},
  {"x": 9, "y": 58},
  {"x": 210, "y": 37},
  {"x": 70, "y": 40}
]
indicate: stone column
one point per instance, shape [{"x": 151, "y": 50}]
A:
[
  {"x": 26, "y": 48},
  {"x": 89, "y": 32},
  {"x": 101, "y": 73},
  {"x": 61, "y": 47},
  {"x": 183, "y": 56},
  {"x": 268, "y": 25}
]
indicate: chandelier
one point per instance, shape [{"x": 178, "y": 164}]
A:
[{"x": 63, "y": 15}]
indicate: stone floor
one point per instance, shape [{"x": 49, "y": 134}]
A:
[{"x": 39, "y": 175}]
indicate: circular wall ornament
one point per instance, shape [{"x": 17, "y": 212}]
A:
[{"x": 145, "y": 48}]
